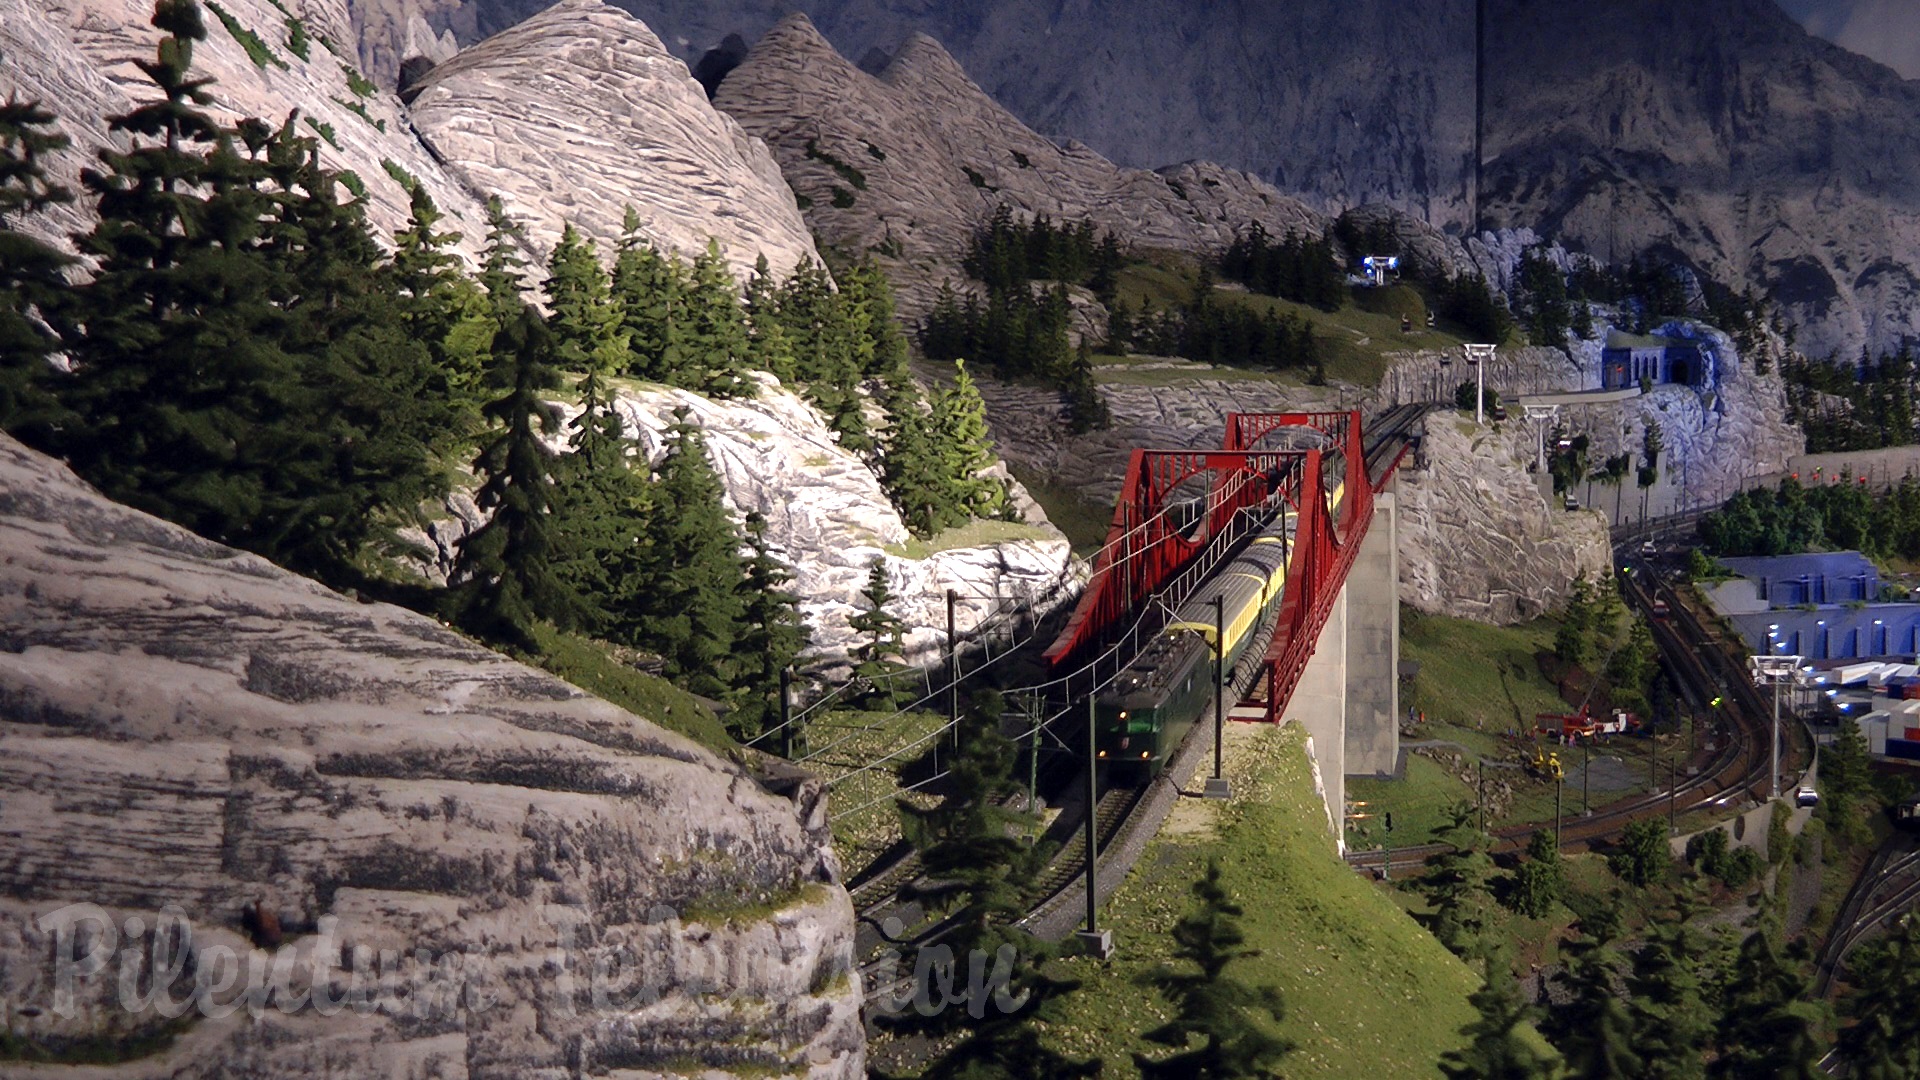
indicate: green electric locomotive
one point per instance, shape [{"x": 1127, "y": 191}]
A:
[{"x": 1141, "y": 718}]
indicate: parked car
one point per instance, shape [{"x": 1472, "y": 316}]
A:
[
  {"x": 1806, "y": 796},
  {"x": 1649, "y": 548}
]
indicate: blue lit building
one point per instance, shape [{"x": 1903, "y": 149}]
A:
[
  {"x": 1820, "y": 606},
  {"x": 1660, "y": 359}
]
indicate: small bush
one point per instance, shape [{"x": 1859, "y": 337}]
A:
[
  {"x": 356, "y": 82},
  {"x": 1642, "y": 856},
  {"x": 256, "y": 49},
  {"x": 297, "y": 38},
  {"x": 400, "y": 176},
  {"x": 324, "y": 130},
  {"x": 842, "y": 198},
  {"x": 974, "y": 178},
  {"x": 352, "y": 182}
]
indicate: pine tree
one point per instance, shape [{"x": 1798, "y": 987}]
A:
[
  {"x": 1500, "y": 1049},
  {"x": 377, "y": 427},
  {"x": 978, "y": 868},
  {"x": 1883, "y": 1042},
  {"x": 770, "y": 348},
  {"x": 504, "y": 574},
  {"x": 817, "y": 322},
  {"x": 1571, "y": 640},
  {"x": 717, "y": 344},
  {"x": 914, "y": 474},
  {"x": 771, "y": 635},
  {"x": 959, "y": 423},
  {"x": 501, "y": 265},
  {"x": 1086, "y": 409},
  {"x": 886, "y": 356},
  {"x": 651, "y": 290},
  {"x": 878, "y": 656},
  {"x": 1538, "y": 882},
  {"x": 1235, "y": 1022},
  {"x": 693, "y": 612},
  {"x": 1457, "y": 884},
  {"x": 1595, "y": 1028},
  {"x": 32, "y": 275},
  {"x": 441, "y": 307},
  {"x": 1671, "y": 1019},
  {"x": 1768, "y": 1027},
  {"x": 589, "y": 339}
]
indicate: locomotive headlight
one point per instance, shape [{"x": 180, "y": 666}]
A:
[
  {"x": 1143, "y": 755},
  {"x": 1123, "y": 714},
  {"x": 1102, "y": 753}
]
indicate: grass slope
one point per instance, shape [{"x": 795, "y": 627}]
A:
[
  {"x": 589, "y": 665},
  {"x": 1355, "y": 342},
  {"x": 1368, "y": 992}
]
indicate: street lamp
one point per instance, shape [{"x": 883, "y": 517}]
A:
[
  {"x": 1774, "y": 670},
  {"x": 1478, "y": 356},
  {"x": 1377, "y": 267}
]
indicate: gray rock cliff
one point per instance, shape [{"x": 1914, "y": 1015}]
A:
[
  {"x": 907, "y": 163},
  {"x": 549, "y": 886},
  {"x": 579, "y": 112}
]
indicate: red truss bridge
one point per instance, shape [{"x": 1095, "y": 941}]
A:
[{"x": 1181, "y": 513}]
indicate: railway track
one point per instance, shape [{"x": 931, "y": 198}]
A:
[
  {"x": 1888, "y": 886},
  {"x": 894, "y": 926},
  {"x": 1732, "y": 772}
]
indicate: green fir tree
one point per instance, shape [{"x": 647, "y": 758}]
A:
[
  {"x": 1223, "y": 1027},
  {"x": 1502, "y": 1046},
  {"x": 504, "y": 572},
  {"x": 959, "y": 423},
  {"x": 878, "y": 656},
  {"x": 32, "y": 274},
  {"x": 771, "y": 636},
  {"x": 1595, "y": 1028},
  {"x": 718, "y": 344},
  {"x": 693, "y": 611}
]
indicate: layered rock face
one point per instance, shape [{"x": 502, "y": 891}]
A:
[
  {"x": 580, "y": 112},
  {"x": 1477, "y": 538},
  {"x": 567, "y": 119},
  {"x": 77, "y": 57},
  {"x": 909, "y": 162},
  {"x": 828, "y": 519},
  {"x": 1720, "y": 132},
  {"x": 1340, "y": 103},
  {"x": 548, "y": 885}
]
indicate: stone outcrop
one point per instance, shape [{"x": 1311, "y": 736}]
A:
[
  {"x": 909, "y": 162},
  {"x": 569, "y": 118},
  {"x": 549, "y": 885},
  {"x": 580, "y": 112},
  {"x": 78, "y": 57},
  {"x": 828, "y": 518},
  {"x": 1478, "y": 539}
]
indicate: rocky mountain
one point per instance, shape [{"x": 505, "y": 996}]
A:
[
  {"x": 516, "y": 879},
  {"x": 595, "y": 112},
  {"x": 908, "y": 161},
  {"x": 578, "y": 113},
  {"x": 1720, "y": 132},
  {"x": 1338, "y": 103}
]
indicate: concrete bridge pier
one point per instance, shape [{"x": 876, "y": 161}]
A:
[{"x": 1348, "y": 698}]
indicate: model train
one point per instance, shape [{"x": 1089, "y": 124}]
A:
[{"x": 1142, "y": 716}]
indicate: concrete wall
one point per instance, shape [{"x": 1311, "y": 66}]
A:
[
  {"x": 1319, "y": 704},
  {"x": 1373, "y": 647}
]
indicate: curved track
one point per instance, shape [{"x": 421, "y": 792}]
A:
[
  {"x": 1731, "y": 773},
  {"x": 1888, "y": 886}
]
